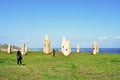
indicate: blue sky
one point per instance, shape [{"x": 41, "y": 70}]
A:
[{"x": 81, "y": 21}]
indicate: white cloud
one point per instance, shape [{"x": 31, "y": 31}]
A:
[
  {"x": 116, "y": 37},
  {"x": 102, "y": 38}
]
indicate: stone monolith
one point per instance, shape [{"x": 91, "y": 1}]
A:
[
  {"x": 9, "y": 48},
  {"x": 66, "y": 47},
  {"x": 23, "y": 49},
  {"x": 95, "y": 48},
  {"x": 47, "y": 45},
  {"x": 26, "y": 49},
  {"x": 78, "y": 48}
]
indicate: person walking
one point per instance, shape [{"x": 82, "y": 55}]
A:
[
  {"x": 53, "y": 52},
  {"x": 19, "y": 58}
]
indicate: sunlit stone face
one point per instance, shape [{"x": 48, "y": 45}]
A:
[
  {"x": 26, "y": 48},
  {"x": 23, "y": 49},
  {"x": 66, "y": 47},
  {"x": 78, "y": 48},
  {"x": 95, "y": 48},
  {"x": 47, "y": 45},
  {"x": 9, "y": 49}
]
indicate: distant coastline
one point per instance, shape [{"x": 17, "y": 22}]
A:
[
  {"x": 102, "y": 50},
  {"x": 3, "y": 47}
]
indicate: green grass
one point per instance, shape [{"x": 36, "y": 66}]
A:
[{"x": 77, "y": 66}]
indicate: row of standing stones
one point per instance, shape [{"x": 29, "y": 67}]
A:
[
  {"x": 65, "y": 48},
  {"x": 24, "y": 49}
]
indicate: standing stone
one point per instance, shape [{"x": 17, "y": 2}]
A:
[
  {"x": 9, "y": 49},
  {"x": 26, "y": 49},
  {"x": 78, "y": 48},
  {"x": 63, "y": 43},
  {"x": 47, "y": 45},
  {"x": 23, "y": 49},
  {"x": 66, "y": 47},
  {"x": 95, "y": 48}
]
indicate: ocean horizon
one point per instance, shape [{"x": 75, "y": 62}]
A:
[{"x": 101, "y": 50}]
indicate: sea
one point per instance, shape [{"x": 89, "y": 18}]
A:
[{"x": 101, "y": 50}]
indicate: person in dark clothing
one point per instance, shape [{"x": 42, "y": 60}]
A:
[
  {"x": 53, "y": 53},
  {"x": 19, "y": 58}
]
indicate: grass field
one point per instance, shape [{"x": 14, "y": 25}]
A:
[{"x": 77, "y": 66}]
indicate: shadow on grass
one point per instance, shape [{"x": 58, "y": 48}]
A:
[
  {"x": 1, "y": 62},
  {"x": 23, "y": 64},
  {"x": 115, "y": 60}
]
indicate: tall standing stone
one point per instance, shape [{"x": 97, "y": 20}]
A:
[
  {"x": 47, "y": 45},
  {"x": 63, "y": 44},
  {"x": 9, "y": 48},
  {"x": 95, "y": 48},
  {"x": 66, "y": 47},
  {"x": 26, "y": 49},
  {"x": 23, "y": 49},
  {"x": 78, "y": 48}
]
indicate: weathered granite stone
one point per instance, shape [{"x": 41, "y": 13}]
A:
[
  {"x": 9, "y": 49},
  {"x": 23, "y": 49},
  {"x": 47, "y": 45},
  {"x": 78, "y": 48},
  {"x": 66, "y": 47},
  {"x": 95, "y": 48},
  {"x": 26, "y": 49}
]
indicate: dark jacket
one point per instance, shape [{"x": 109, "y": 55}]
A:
[{"x": 19, "y": 55}]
